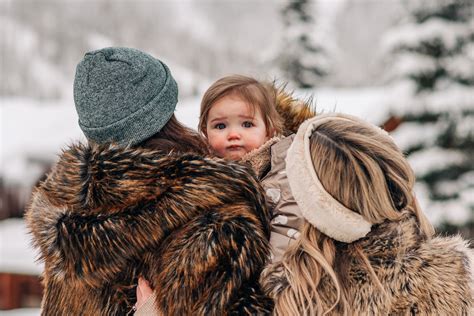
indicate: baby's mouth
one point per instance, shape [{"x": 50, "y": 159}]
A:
[{"x": 234, "y": 147}]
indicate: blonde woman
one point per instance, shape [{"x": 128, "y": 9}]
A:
[{"x": 365, "y": 247}]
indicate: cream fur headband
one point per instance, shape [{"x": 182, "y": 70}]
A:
[{"x": 317, "y": 205}]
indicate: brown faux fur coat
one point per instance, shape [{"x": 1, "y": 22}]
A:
[
  {"x": 420, "y": 276},
  {"x": 197, "y": 228}
]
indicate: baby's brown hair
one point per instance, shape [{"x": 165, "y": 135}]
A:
[{"x": 253, "y": 92}]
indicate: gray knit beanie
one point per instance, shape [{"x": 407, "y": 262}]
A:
[{"x": 123, "y": 95}]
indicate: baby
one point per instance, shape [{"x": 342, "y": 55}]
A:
[
  {"x": 240, "y": 121},
  {"x": 238, "y": 115}
]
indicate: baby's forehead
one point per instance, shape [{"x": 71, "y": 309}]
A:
[
  {"x": 233, "y": 107},
  {"x": 230, "y": 116}
]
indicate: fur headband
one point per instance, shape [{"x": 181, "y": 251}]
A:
[{"x": 317, "y": 205}]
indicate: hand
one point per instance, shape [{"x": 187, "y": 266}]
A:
[{"x": 144, "y": 291}]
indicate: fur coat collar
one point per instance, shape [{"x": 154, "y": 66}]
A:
[
  {"x": 197, "y": 228},
  {"x": 260, "y": 158}
]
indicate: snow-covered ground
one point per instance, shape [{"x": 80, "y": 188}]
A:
[{"x": 21, "y": 312}]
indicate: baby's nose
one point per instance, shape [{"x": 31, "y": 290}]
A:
[{"x": 233, "y": 134}]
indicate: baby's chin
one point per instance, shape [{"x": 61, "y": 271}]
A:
[{"x": 234, "y": 156}]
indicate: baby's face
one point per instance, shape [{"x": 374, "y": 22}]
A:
[{"x": 233, "y": 129}]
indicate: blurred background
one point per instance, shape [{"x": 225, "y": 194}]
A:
[{"x": 407, "y": 66}]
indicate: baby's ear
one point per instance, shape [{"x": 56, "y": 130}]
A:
[
  {"x": 271, "y": 132},
  {"x": 203, "y": 131}
]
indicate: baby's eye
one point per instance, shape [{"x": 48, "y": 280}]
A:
[
  {"x": 219, "y": 126},
  {"x": 247, "y": 124}
]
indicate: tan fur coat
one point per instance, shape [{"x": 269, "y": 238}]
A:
[{"x": 420, "y": 276}]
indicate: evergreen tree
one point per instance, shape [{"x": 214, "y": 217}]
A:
[
  {"x": 433, "y": 54},
  {"x": 302, "y": 61}
]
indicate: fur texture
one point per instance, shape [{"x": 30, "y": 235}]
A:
[
  {"x": 259, "y": 159},
  {"x": 197, "y": 228},
  {"x": 293, "y": 111},
  {"x": 419, "y": 276}
]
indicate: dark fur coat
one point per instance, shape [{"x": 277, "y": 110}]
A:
[{"x": 196, "y": 228}]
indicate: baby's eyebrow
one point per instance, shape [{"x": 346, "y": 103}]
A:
[
  {"x": 218, "y": 119},
  {"x": 222, "y": 118}
]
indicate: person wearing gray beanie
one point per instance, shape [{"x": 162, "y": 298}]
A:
[
  {"x": 123, "y": 95},
  {"x": 141, "y": 199}
]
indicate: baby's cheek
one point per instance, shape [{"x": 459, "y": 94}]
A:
[
  {"x": 213, "y": 141},
  {"x": 217, "y": 150}
]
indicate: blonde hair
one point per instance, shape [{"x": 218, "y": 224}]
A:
[
  {"x": 363, "y": 169},
  {"x": 253, "y": 92}
]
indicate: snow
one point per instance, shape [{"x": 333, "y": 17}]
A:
[
  {"x": 190, "y": 83},
  {"x": 327, "y": 10},
  {"x": 22, "y": 44},
  {"x": 24, "y": 38},
  {"x": 98, "y": 41},
  {"x": 467, "y": 196},
  {"x": 16, "y": 253},
  {"x": 411, "y": 35},
  {"x": 199, "y": 26},
  {"x": 412, "y": 63},
  {"x": 369, "y": 103},
  {"x": 302, "y": 44},
  {"x": 454, "y": 98},
  {"x": 437, "y": 55},
  {"x": 187, "y": 112},
  {"x": 457, "y": 98},
  {"x": 459, "y": 186},
  {"x": 461, "y": 66},
  {"x": 428, "y": 5},
  {"x": 32, "y": 133},
  {"x": 434, "y": 158},
  {"x": 465, "y": 127},
  {"x": 450, "y": 211},
  {"x": 21, "y": 312},
  {"x": 426, "y": 134}
]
